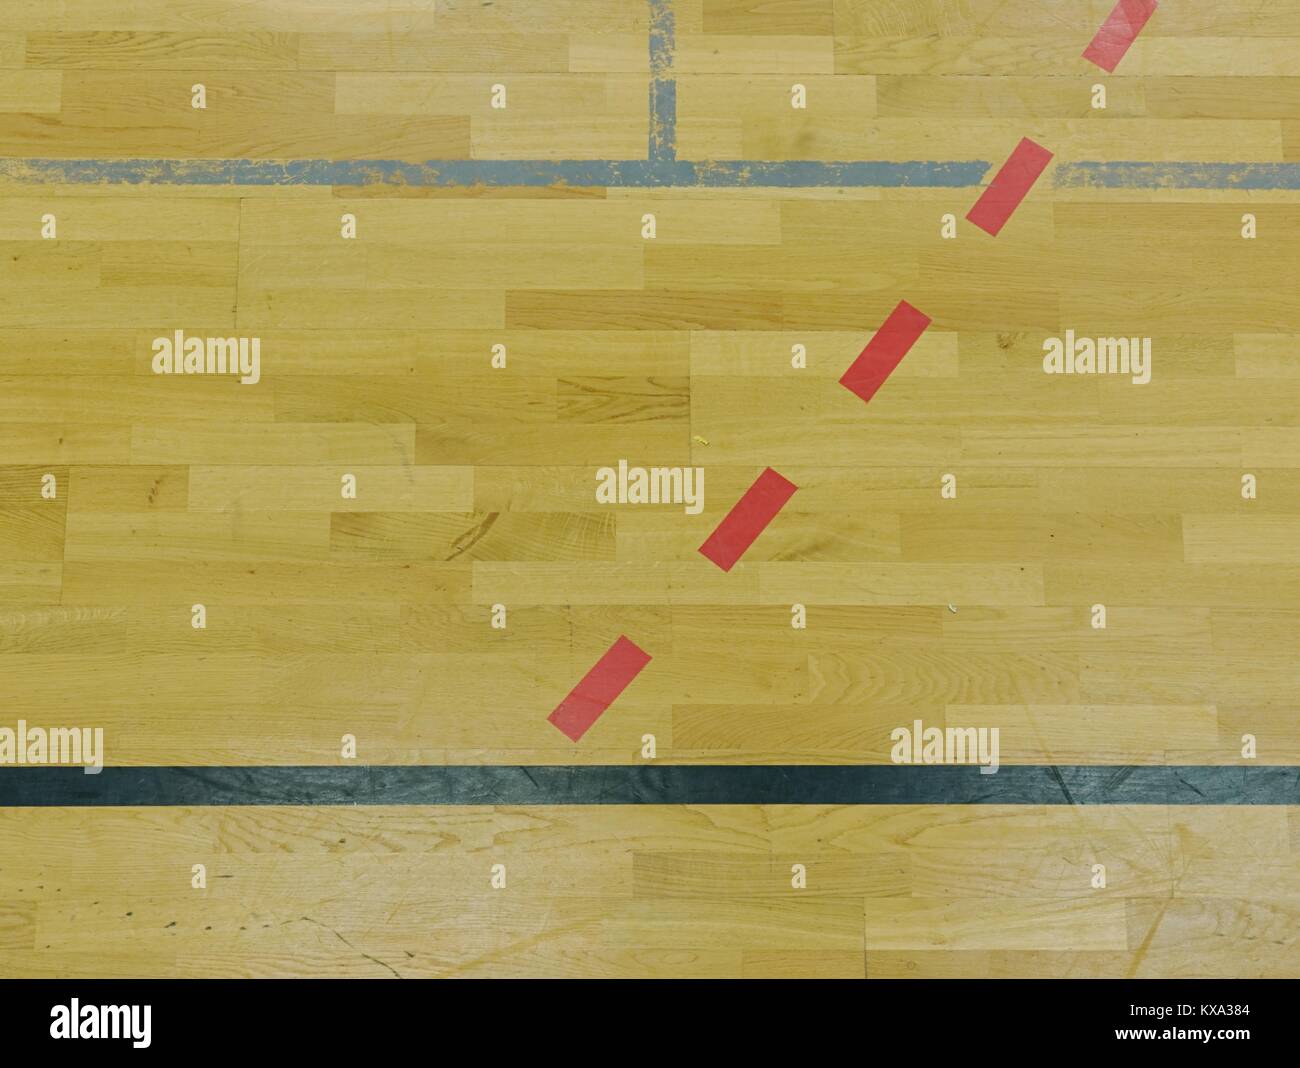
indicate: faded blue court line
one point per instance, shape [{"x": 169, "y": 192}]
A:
[
  {"x": 691, "y": 784},
  {"x": 576, "y": 173},
  {"x": 1125, "y": 174},
  {"x": 663, "y": 88},
  {"x": 635, "y": 173}
]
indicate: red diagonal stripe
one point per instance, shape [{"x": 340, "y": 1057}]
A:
[
  {"x": 885, "y": 350},
  {"x": 586, "y": 702},
  {"x": 1118, "y": 32},
  {"x": 1009, "y": 187},
  {"x": 748, "y": 518}
]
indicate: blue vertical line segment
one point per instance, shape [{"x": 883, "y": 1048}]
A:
[{"x": 663, "y": 88}]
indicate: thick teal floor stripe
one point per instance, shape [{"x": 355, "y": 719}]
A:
[{"x": 652, "y": 785}]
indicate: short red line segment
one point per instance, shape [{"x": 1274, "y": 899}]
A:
[
  {"x": 1118, "y": 33},
  {"x": 748, "y": 519},
  {"x": 1009, "y": 186},
  {"x": 598, "y": 689},
  {"x": 885, "y": 350}
]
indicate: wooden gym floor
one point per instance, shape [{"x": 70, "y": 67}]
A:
[{"x": 329, "y": 616}]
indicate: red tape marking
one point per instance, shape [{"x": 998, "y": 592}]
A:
[
  {"x": 748, "y": 518},
  {"x": 611, "y": 675},
  {"x": 885, "y": 350},
  {"x": 1118, "y": 32},
  {"x": 1009, "y": 186}
]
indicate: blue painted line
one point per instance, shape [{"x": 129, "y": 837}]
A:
[
  {"x": 663, "y": 121},
  {"x": 1134, "y": 174},
  {"x": 498, "y": 173},
  {"x": 641, "y": 784},
  {"x": 663, "y": 37},
  {"x": 634, "y": 173},
  {"x": 663, "y": 89}
]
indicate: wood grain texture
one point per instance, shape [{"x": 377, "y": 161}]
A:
[
  {"x": 662, "y": 891},
  {"x": 476, "y": 486}
]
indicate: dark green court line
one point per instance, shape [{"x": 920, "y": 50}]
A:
[{"x": 641, "y": 784}]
